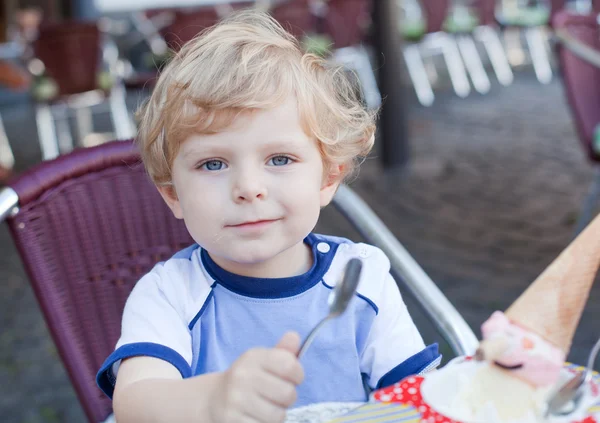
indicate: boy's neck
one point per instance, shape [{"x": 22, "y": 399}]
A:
[{"x": 294, "y": 261}]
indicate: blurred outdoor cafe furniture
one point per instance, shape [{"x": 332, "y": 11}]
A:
[
  {"x": 461, "y": 22},
  {"x": 70, "y": 79},
  {"x": 422, "y": 28},
  {"x": 451, "y": 27},
  {"x": 88, "y": 224},
  {"x": 150, "y": 16},
  {"x": 346, "y": 22},
  {"x": 14, "y": 78},
  {"x": 532, "y": 19},
  {"x": 487, "y": 32},
  {"x": 340, "y": 24},
  {"x": 578, "y": 48}
]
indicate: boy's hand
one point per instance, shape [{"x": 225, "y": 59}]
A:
[{"x": 260, "y": 385}]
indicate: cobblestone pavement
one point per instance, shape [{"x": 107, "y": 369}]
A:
[{"x": 490, "y": 199}]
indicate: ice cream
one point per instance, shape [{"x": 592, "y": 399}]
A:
[
  {"x": 523, "y": 350},
  {"x": 517, "y": 373}
]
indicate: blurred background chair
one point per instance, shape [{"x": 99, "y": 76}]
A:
[
  {"x": 12, "y": 77},
  {"x": 81, "y": 225},
  {"x": 488, "y": 34},
  {"x": 296, "y": 16},
  {"x": 461, "y": 22},
  {"x": 347, "y": 23},
  {"x": 422, "y": 28},
  {"x": 578, "y": 50},
  {"x": 7, "y": 158},
  {"x": 70, "y": 79},
  {"x": 530, "y": 18},
  {"x": 186, "y": 24},
  {"x": 334, "y": 27}
]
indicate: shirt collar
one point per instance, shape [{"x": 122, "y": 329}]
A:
[{"x": 323, "y": 253}]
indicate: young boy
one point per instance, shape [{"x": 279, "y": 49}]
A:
[{"x": 247, "y": 139}]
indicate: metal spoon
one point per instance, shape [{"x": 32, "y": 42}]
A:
[
  {"x": 342, "y": 294},
  {"x": 570, "y": 393}
]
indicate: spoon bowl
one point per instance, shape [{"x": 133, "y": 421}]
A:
[{"x": 567, "y": 398}]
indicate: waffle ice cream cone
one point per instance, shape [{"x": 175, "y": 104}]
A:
[{"x": 553, "y": 303}]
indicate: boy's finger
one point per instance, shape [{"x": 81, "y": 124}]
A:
[
  {"x": 290, "y": 341},
  {"x": 284, "y": 365},
  {"x": 276, "y": 390}
]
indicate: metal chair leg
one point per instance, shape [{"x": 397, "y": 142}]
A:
[
  {"x": 431, "y": 69},
  {"x": 514, "y": 49},
  {"x": 63, "y": 129},
  {"x": 46, "y": 132},
  {"x": 418, "y": 74},
  {"x": 456, "y": 68},
  {"x": 408, "y": 273},
  {"x": 7, "y": 159},
  {"x": 495, "y": 51},
  {"x": 124, "y": 126},
  {"x": 590, "y": 202},
  {"x": 473, "y": 63},
  {"x": 539, "y": 54},
  {"x": 84, "y": 122}
]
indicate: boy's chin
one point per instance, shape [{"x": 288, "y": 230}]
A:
[{"x": 251, "y": 256}]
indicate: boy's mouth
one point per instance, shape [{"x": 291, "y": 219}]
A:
[{"x": 253, "y": 224}]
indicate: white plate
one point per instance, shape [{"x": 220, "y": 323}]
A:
[{"x": 433, "y": 395}]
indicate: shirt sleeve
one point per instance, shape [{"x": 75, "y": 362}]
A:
[
  {"x": 394, "y": 347},
  {"x": 153, "y": 325}
]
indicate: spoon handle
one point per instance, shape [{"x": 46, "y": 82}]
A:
[
  {"x": 311, "y": 336},
  {"x": 592, "y": 358},
  {"x": 342, "y": 294}
]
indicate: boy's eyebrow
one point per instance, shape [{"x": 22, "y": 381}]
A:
[
  {"x": 285, "y": 142},
  {"x": 202, "y": 148}
]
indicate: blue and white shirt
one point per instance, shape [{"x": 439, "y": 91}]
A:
[{"x": 200, "y": 318}]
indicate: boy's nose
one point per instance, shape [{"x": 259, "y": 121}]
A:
[{"x": 249, "y": 189}]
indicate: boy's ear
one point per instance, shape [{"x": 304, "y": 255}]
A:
[
  {"x": 331, "y": 183},
  {"x": 168, "y": 194}
]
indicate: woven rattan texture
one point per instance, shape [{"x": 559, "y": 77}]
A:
[{"x": 85, "y": 242}]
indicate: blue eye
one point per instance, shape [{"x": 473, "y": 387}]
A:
[
  {"x": 213, "y": 165},
  {"x": 280, "y": 161}
]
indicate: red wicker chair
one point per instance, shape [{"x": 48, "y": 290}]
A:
[
  {"x": 69, "y": 55},
  {"x": 187, "y": 24},
  {"x": 578, "y": 45},
  {"x": 296, "y": 17},
  {"x": 89, "y": 225}
]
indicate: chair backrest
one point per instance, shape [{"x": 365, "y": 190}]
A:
[
  {"x": 187, "y": 24},
  {"x": 296, "y": 17},
  {"x": 436, "y": 12},
  {"x": 70, "y": 51},
  {"x": 486, "y": 11},
  {"x": 90, "y": 225},
  {"x": 346, "y": 21},
  {"x": 555, "y": 7},
  {"x": 581, "y": 79}
]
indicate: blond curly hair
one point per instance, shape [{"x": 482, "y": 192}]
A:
[{"x": 249, "y": 62}]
